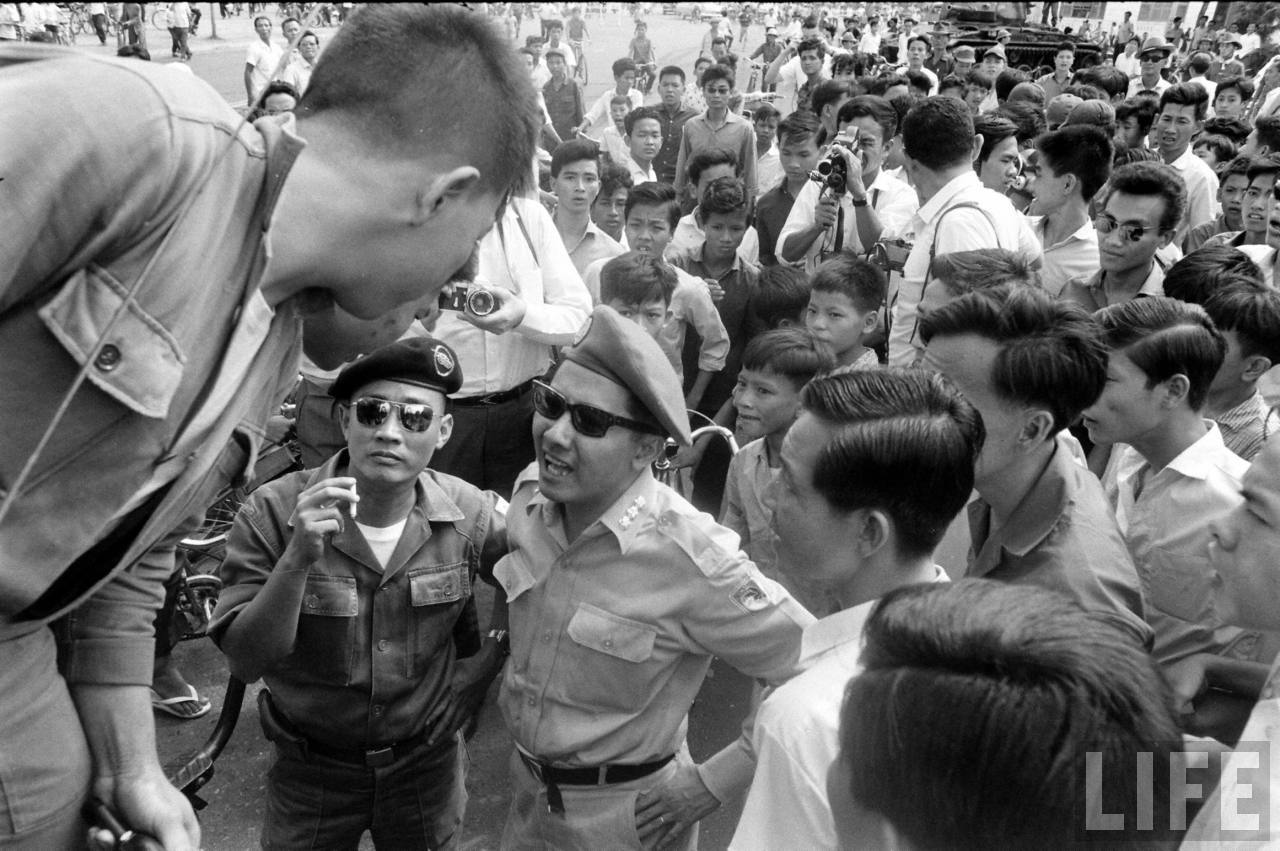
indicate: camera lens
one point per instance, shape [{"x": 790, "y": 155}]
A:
[{"x": 481, "y": 303}]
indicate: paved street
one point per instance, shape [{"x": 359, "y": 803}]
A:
[{"x": 235, "y": 794}]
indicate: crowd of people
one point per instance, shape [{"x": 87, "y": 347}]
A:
[{"x": 999, "y": 346}]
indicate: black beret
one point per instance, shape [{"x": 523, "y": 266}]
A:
[
  {"x": 622, "y": 352},
  {"x": 424, "y": 361}
]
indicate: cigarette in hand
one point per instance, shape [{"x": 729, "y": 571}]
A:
[{"x": 351, "y": 506}]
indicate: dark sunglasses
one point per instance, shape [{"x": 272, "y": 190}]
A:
[
  {"x": 587, "y": 421},
  {"x": 373, "y": 412},
  {"x": 1105, "y": 224}
]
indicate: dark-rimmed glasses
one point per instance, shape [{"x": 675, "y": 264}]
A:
[
  {"x": 587, "y": 421},
  {"x": 1105, "y": 224},
  {"x": 373, "y": 412}
]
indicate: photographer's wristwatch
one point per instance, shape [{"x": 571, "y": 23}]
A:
[{"x": 855, "y": 202}]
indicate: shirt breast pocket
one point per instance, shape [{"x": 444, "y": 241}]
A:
[
  {"x": 1181, "y": 585},
  {"x": 325, "y": 648},
  {"x": 436, "y": 593},
  {"x": 613, "y": 673}
]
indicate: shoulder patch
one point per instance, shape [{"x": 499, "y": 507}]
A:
[{"x": 750, "y": 597}]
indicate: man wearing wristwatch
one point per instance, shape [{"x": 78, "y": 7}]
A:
[
  {"x": 873, "y": 206},
  {"x": 344, "y": 585}
]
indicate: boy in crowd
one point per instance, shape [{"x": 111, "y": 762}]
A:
[
  {"x": 873, "y": 205},
  {"x": 1175, "y": 474},
  {"x": 1073, "y": 164},
  {"x": 717, "y": 127},
  {"x": 1030, "y": 364},
  {"x": 705, "y": 167},
  {"x": 765, "y": 120},
  {"x": 575, "y": 180},
  {"x": 782, "y": 297},
  {"x": 612, "y": 138},
  {"x": 1233, "y": 181},
  {"x": 650, "y": 216},
  {"x": 722, "y": 216},
  {"x": 607, "y": 211},
  {"x": 640, "y": 289},
  {"x": 845, "y": 298},
  {"x": 1248, "y": 315},
  {"x": 775, "y": 368},
  {"x": 1182, "y": 112},
  {"x": 845, "y": 521},
  {"x": 1231, "y": 96},
  {"x": 541, "y": 75},
  {"x": 644, "y": 138},
  {"x": 1139, "y": 215},
  {"x": 624, "y": 84},
  {"x": 555, "y": 34},
  {"x": 1134, "y": 118},
  {"x": 1256, "y": 205},
  {"x": 797, "y": 155},
  {"x": 309, "y": 585}
]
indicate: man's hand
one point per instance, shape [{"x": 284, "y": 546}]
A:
[
  {"x": 1187, "y": 677},
  {"x": 148, "y": 803},
  {"x": 714, "y": 288},
  {"x": 853, "y": 165},
  {"x": 665, "y": 813},
  {"x": 322, "y": 510},
  {"x": 824, "y": 214},
  {"x": 466, "y": 692},
  {"x": 509, "y": 313}
]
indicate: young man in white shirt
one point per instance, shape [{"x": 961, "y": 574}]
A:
[
  {"x": 1152, "y": 57},
  {"x": 598, "y": 116},
  {"x": 873, "y": 205},
  {"x": 1074, "y": 162},
  {"x": 575, "y": 180},
  {"x": 644, "y": 139},
  {"x": 1182, "y": 112},
  {"x": 843, "y": 522},
  {"x": 261, "y": 61},
  {"x": 940, "y": 146},
  {"x": 1175, "y": 474}
]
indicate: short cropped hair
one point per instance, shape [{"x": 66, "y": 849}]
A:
[
  {"x": 1165, "y": 337},
  {"x": 1242, "y": 85},
  {"x": 828, "y": 92},
  {"x": 650, "y": 194},
  {"x": 994, "y": 129},
  {"x": 1199, "y": 63},
  {"x": 884, "y": 82},
  {"x": 1065, "y": 45},
  {"x": 1268, "y": 129},
  {"x": 1106, "y": 78},
  {"x": 1152, "y": 178},
  {"x": 919, "y": 81},
  {"x": 717, "y": 72},
  {"x": 1252, "y": 311},
  {"x": 797, "y": 128},
  {"x": 725, "y": 195},
  {"x": 1186, "y": 94},
  {"x": 793, "y": 353},
  {"x": 764, "y": 112},
  {"x": 1026, "y": 116},
  {"x": 635, "y": 278},
  {"x": 905, "y": 443},
  {"x": 707, "y": 158},
  {"x": 962, "y": 272},
  {"x": 671, "y": 71},
  {"x": 1051, "y": 353},
  {"x": 1007, "y": 79},
  {"x": 612, "y": 178},
  {"x": 978, "y": 700},
  {"x": 572, "y": 151},
  {"x": 446, "y": 61},
  {"x": 783, "y": 295},
  {"x": 629, "y": 122},
  {"x": 622, "y": 66},
  {"x": 951, "y": 81},
  {"x": 858, "y": 280},
  {"x": 1221, "y": 147},
  {"x": 1201, "y": 273},
  {"x": 1264, "y": 165},
  {"x": 1238, "y": 165},
  {"x": 1144, "y": 109},
  {"x": 1082, "y": 150},
  {"x": 938, "y": 133},
  {"x": 1233, "y": 128},
  {"x": 874, "y": 107},
  {"x": 811, "y": 44}
]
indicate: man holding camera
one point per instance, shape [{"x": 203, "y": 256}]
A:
[{"x": 827, "y": 217}]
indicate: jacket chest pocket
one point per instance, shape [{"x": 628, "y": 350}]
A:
[
  {"x": 611, "y": 671},
  {"x": 436, "y": 594},
  {"x": 325, "y": 648}
]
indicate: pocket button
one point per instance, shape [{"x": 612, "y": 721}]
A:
[{"x": 108, "y": 358}]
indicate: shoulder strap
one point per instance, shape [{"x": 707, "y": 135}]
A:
[{"x": 933, "y": 247}]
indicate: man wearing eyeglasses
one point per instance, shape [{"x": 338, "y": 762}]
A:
[
  {"x": 620, "y": 593},
  {"x": 1140, "y": 214},
  {"x": 343, "y": 588}
]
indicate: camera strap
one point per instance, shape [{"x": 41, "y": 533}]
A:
[{"x": 933, "y": 248}]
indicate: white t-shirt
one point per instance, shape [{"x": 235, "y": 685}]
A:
[
  {"x": 264, "y": 58},
  {"x": 382, "y": 539}
]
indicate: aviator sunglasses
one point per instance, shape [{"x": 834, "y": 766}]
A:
[
  {"x": 587, "y": 421},
  {"x": 373, "y": 412}
]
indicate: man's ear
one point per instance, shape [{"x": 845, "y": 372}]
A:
[
  {"x": 446, "y": 430},
  {"x": 442, "y": 189},
  {"x": 977, "y": 147},
  {"x": 875, "y": 532},
  {"x": 870, "y": 321},
  {"x": 1174, "y": 389},
  {"x": 1255, "y": 366},
  {"x": 1037, "y": 427}
]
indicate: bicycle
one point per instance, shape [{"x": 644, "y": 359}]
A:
[
  {"x": 580, "y": 60},
  {"x": 680, "y": 479},
  {"x": 644, "y": 77}
]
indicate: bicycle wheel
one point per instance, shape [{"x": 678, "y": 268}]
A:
[
  {"x": 80, "y": 22},
  {"x": 217, "y": 522},
  {"x": 160, "y": 19}
]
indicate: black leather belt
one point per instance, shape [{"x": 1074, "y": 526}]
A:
[
  {"x": 373, "y": 757},
  {"x": 598, "y": 775},
  {"x": 494, "y": 398}
]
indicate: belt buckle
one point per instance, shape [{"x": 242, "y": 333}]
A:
[{"x": 379, "y": 757}]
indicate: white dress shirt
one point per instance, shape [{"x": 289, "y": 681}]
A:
[
  {"x": 1074, "y": 257},
  {"x": 894, "y": 202},
  {"x": 1202, "y": 191}
]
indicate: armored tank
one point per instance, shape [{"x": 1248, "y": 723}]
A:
[{"x": 976, "y": 25}]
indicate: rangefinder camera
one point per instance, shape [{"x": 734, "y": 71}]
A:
[
  {"x": 890, "y": 254},
  {"x": 465, "y": 299}
]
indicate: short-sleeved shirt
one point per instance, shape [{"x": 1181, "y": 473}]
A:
[
  {"x": 672, "y": 128},
  {"x": 1202, "y": 191},
  {"x": 771, "y": 214},
  {"x": 1247, "y": 426},
  {"x": 1062, "y": 536},
  {"x": 735, "y": 134},
  {"x": 564, "y": 105},
  {"x": 264, "y": 58},
  {"x": 593, "y": 245},
  {"x": 1074, "y": 257},
  {"x": 894, "y": 202},
  {"x": 1198, "y": 236},
  {"x": 1052, "y": 88},
  {"x": 374, "y": 651},
  {"x": 1164, "y": 516},
  {"x": 1091, "y": 293},
  {"x": 613, "y": 633},
  {"x": 689, "y": 236}
]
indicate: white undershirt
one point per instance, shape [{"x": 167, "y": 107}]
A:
[{"x": 382, "y": 539}]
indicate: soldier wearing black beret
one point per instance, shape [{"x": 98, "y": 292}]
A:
[
  {"x": 619, "y": 594},
  {"x": 344, "y": 585}
]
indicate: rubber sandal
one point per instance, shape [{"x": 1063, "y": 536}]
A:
[{"x": 169, "y": 705}]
